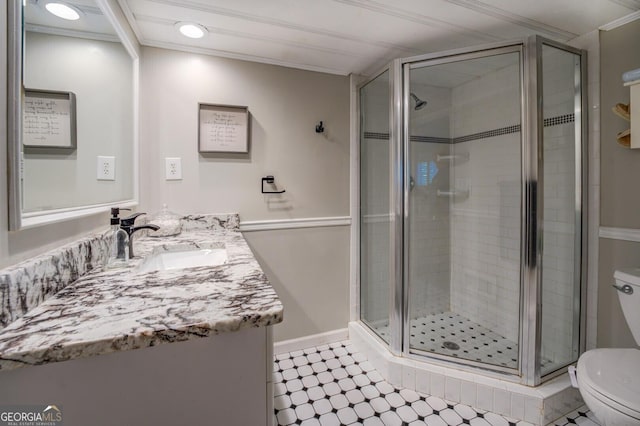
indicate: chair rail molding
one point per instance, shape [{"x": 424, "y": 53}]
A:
[{"x": 625, "y": 234}]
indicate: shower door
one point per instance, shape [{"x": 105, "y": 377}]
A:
[
  {"x": 375, "y": 189},
  {"x": 463, "y": 192},
  {"x": 562, "y": 247},
  {"x": 471, "y": 219}
]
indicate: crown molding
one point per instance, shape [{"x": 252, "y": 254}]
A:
[{"x": 620, "y": 21}]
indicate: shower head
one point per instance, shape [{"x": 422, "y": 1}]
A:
[{"x": 419, "y": 102}]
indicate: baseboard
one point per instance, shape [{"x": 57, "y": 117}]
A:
[{"x": 310, "y": 341}]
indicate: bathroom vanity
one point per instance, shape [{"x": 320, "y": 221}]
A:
[{"x": 75, "y": 349}]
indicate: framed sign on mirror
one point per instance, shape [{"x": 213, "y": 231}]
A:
[{"x": 49, "y": 119}]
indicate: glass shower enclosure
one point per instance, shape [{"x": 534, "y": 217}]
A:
[{"x": 471, "y": 223}]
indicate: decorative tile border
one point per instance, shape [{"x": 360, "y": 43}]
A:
[
  {"x": 561, "y": 119},
  {"x": 547, "y": 122},
  {"x": 488, "y": 134},
  {"x": 429, "y": 139}
]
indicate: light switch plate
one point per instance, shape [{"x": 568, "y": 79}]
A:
[
  {"x": 173, "y": 168},
  {"x": 106, "y": 168}
]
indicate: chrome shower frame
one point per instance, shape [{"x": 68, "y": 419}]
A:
[{"x": 528, "y": 371}]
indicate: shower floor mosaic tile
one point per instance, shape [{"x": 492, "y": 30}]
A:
[
  {"x": 335, "y": 385},
  {"x": 452, "y": 334}
]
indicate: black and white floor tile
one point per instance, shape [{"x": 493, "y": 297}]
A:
[
  {"x": 335, "y": 385},
  {"x": 582, "y": 417},
  {"x": 452, "y": 334}
]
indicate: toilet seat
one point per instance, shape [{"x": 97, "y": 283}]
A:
[{"x": 613, "y": 377}]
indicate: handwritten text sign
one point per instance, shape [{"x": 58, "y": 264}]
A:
[
  {"x": 48, "y": 120},
  {"x": 223, "y": 129}
]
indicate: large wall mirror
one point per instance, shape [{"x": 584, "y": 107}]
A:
[{"x": 72, "y": 110}]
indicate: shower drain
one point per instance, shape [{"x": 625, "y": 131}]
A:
[{"x": 451, "y": 346}]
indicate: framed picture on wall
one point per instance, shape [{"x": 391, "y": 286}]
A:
[
  {"x": 223, "y": 128},
  {"x": 49, "y": 119}
]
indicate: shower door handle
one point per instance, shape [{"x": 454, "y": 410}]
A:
[{"x": 626, "y": 289}]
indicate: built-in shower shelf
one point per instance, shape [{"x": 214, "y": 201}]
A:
[
  {"x": 453, "y": 158},
  {"x": 456, "y": 193}
]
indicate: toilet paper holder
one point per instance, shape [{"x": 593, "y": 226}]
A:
[{"x": 270, "y": 180}]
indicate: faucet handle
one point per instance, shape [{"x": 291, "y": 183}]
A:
[{"x": 130, "y": 220}]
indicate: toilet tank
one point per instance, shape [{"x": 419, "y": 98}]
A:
[{"x": 630, "y": 302}]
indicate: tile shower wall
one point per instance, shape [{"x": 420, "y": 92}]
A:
[
  {"x": 485, "y": 224},
  {"x": 429, "y": 237}
]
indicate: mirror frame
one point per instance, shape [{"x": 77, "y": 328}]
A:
[{"x": 15, "y": 97}]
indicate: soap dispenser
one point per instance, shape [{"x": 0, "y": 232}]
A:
[{"x": 119, "y": 248}]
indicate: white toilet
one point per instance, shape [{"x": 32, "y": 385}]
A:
[{"x": 609, "y": 379}]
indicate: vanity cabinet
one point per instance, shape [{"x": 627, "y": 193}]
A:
[
  {"x": 139, "y": 346},
  {"x": 220, "y": 380}
]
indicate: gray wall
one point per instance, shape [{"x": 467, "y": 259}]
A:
[
  {"x": 620, "y": 174},
  {"x": 308, "y": 267}
]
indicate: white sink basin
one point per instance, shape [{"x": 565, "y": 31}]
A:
[{"x": 180, "y": 259}]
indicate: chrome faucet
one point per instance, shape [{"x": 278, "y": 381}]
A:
[{"x": 127, "y": 224}]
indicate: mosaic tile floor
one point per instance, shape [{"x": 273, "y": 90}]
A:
[
  {"x": 335, "y": 385},
  {"x": 449, "y": 333}
]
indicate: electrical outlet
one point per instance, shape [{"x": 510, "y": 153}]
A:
[
  {"x": 106, "y": 168},
  {"x": 173, "y": 168}
]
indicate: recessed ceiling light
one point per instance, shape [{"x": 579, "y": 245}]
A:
[
  {"x": 63, "y": 10},
  {"x": 191, "y": 30}
]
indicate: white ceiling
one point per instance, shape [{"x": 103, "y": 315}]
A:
[
  {"x": 359, "y": 36},
  {"x": 93, "y": 24}
]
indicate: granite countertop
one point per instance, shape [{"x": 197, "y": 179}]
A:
[{"x": 120, "y": 309}]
